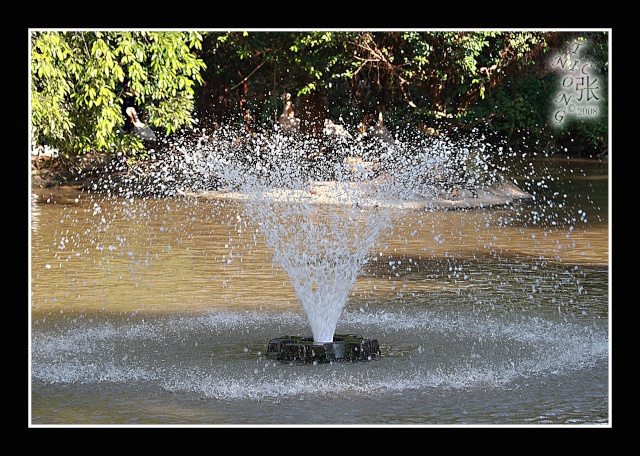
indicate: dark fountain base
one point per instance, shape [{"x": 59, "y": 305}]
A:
[{"x": 345, "y": 347}]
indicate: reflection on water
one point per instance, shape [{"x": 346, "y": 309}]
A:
[{"x": 158, "y": 311}]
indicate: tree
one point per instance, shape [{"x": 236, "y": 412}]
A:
[
  {"x": 82, "y": 80},
  {"x": 434, "y": 76},
  {"x": 441, "y": 75},
  {"x": 250, "y": 71}
]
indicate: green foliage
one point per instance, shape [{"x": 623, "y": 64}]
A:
[
  {"x": 521, "y": 104},
  {"x": 79, "y": 81}
]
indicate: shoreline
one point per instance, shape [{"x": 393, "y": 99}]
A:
[{"x": 333, "y": 193}]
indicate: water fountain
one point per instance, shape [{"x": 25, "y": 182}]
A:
[
  {"x": 322, "y": 219},
  {"x": 178, "y": 296}
]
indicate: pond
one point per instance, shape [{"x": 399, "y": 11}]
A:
[{"x": 150, "y": 311}]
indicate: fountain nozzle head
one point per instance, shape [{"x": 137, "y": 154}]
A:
[{"x": 345, "y": 347}]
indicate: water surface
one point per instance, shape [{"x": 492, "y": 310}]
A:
[{"x": 158, "y": 311}]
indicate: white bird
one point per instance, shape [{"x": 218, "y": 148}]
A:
[
  {"x": 377, "y": 131},
  {"x": 336, "y": 131},
  {"x": 288, "y": 120},
  {"x": 381, "y": 132},
  {"x": 140, "y": 128}
]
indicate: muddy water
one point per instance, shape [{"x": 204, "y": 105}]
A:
[{"x": 157, "y": 311}]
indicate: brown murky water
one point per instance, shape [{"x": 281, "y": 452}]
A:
[{"x": 157, "y": 311}]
